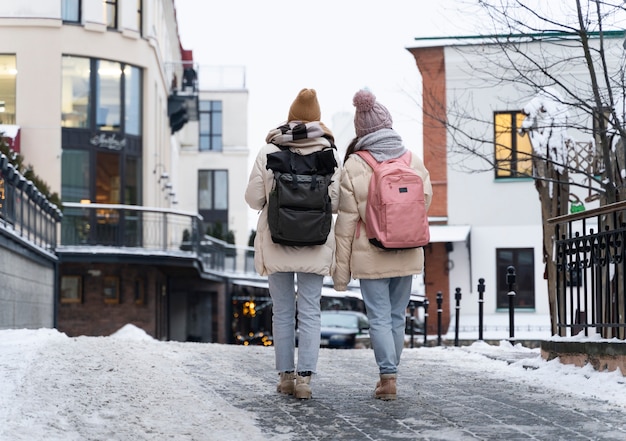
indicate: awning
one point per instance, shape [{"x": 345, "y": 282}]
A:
[
  {"x": 250, "y": 283},
  {"x": 449, "y": 233}
]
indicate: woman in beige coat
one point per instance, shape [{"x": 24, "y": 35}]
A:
[
  {"x": 385, "y": 275},
  {"x": 303, "y": 134}
]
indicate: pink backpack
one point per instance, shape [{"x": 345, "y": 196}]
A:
[{"x": 395, "y": 217}]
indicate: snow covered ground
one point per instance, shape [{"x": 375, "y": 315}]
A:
[{"x": 129, "y": 386}]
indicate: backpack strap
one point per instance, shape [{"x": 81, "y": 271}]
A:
[
  {"x": 372, "y": 162},
  {"x": 367, "y": 157}
]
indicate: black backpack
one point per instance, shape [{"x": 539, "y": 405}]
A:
[{"x": 300, "y": 211}]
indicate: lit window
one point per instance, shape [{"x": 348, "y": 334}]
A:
[
  {"x": 8, "y": 74},
  {"x": 513, "y": 152},
  {"x": 210, "y": 115}
]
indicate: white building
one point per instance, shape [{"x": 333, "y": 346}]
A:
[
  {"x": 489, "y": 209},
  {"x": 110, "y": 112}
]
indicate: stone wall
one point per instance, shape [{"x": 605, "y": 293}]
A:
[{"x": 27, "y": 288}]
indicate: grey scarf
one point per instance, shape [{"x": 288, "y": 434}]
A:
[{"x": 383, "y": 144}]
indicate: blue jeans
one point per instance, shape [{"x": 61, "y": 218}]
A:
[
  {"x": 284, "y": 304},
  {"x": 386, "y": 301}
]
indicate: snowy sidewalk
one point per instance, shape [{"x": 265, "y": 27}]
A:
[{"x": 131, "y": 387}]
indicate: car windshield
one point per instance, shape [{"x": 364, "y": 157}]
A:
[{"x": 340, "y": 321}]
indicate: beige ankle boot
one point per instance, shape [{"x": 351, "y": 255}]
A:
[
  {"x": 303, "y": 386},
  {"x": 386, "y": 387},
  {"x": 286, "y": 385}
]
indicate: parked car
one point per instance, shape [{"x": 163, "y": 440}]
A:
[{"x": 345, "y": 330}]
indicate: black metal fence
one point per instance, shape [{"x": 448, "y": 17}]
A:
[
  {"x": 590, "y": 253},
  {"x": 24, "y": 210}
]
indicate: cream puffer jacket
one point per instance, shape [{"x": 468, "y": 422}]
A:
[
  {"x": 356, "y": 257},
  {"x": 270, "y": 257}
]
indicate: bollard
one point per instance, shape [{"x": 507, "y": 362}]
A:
[
  {"x": 439, "y": 313},
  {"x": 510, "y": 280},
  {"x": 457, "y": 297},
  {"x": 425, "y": 322},
  {"x": 481, "y": 301},
  {"x": 412, "y": 322}
]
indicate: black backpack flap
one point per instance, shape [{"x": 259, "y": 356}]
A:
[
  {"x": 285, "y": 161},
  {"x": 279, "y": 161}
]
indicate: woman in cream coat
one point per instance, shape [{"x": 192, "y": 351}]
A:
[
  {"x": 303, "y": 134},
  {"x": 385, "y": 275}
]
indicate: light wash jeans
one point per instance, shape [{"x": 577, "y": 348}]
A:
[
  {"x": 386, "y": 301},
  {"x": 283, "y": 293}
]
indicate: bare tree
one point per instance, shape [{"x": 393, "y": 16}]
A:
[{"x": 569, "y": 70}]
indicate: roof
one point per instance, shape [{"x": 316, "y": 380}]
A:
[{"x": 468, "y": 40}]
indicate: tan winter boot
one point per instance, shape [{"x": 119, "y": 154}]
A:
[
  {"x": 386, "y": 387},
  {"x": 303, "y": 385},
  {"x": 286, "y": 384}
]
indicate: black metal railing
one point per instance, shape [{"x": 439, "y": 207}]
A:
[
  {"x": 590, "y": 254},
  {"x": 141, "y": 229},
  {"x": 24, "y": 210}
]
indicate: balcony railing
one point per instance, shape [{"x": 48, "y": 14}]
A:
[
  {"x": 143, "y": 229},
  {"x": 24, "y": 211},
  {"x": 590, "y": 252}
]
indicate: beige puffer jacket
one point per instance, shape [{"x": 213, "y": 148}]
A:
[
  {"x": 270, "y": 257},
  {"x": 356, "y": 257}
]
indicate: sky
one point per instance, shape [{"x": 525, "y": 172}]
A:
[
  {"x": 130, "y": 386},
  {"x": 334, "y": 47}
]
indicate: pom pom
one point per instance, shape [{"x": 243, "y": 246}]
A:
[{"x": 364, "y": 101}]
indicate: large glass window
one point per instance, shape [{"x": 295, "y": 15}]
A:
[
  {"x": 513, "y": 152},
  {"x": 523, "y": 260},
  {"x": 75, "y": 109},
  {"x": 210, "y": 116},
  {"x": 70, "y": 11},
  {"x": 108, "y": 95},
  {"x": 110, "y": 13},
  {"x": 132, "y": 100},
  {"x": 8, "y": 74}
]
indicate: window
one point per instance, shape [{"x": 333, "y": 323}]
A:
[
  {"x": 70, "y": 11},
  {"x": 110, "y": 13},
  {"x": 108, "y": 95},
  {"x": 523, "y": 260},
  {"x": 75, "y": 108},
  {"x": 139, "y": 17},
  {"x": 210, "y": 115},
  {"x": 513, "y": 152},
  {"x": 71, "y": 289},
  {"x": 111, "y": 289},
  {"x": 75, "y": 176},
  {"x": 132, "y": 100},
  {"x": 140, "y": 294},
  {"x": 8, "y": 74},
  {"x": 213, "y": 196}
]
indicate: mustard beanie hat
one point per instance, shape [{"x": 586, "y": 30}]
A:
[{"x": 305, "y": 107}]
